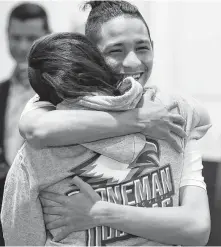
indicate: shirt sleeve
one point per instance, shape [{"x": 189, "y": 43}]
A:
[
  {"x": 200, "y": 120},
  {"x": 34, "y": 103},
  {"x": 192, "y": 170}
]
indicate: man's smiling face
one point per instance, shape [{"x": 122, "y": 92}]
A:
[{"x": 126, "y": 46}]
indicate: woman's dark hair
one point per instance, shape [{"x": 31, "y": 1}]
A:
[
  {"x": 68, "y": 65},
  {"x": 103, "y": 11}
]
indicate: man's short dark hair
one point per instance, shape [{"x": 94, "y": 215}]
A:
[
  {"x": 103, "y": 11},
  {"x": 26, "y": 11}
]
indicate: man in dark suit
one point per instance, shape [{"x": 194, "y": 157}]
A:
[{"x": 27, "y": 22}]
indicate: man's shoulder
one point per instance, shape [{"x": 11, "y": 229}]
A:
[
  {"x": 168, "y": 98},
  {"x": 35, "y": 103},
  {"x": 194, "y": 112},
  {"x": 184, "y": 101}
]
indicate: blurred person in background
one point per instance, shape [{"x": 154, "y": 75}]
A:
[{"x": 26, "y": 23}]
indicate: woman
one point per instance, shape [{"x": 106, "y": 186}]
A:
[{"x": 66, "y": 69}]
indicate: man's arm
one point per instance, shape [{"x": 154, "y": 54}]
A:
[
  {"x": 66, "y": 127},
  {"x": 44, "y": 127},
  {"x": 188, "y": 224}
]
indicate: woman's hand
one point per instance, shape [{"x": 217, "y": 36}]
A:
[{"x": 76, "y": 212}]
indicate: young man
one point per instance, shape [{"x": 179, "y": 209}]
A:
[
  {"x": 26, "y": 23},
  {"x": 120, "y": 32}
]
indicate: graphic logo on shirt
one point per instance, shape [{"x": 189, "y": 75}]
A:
[
  {"x": 143, "y": 184},
  {"x": 150, "y": 155}
]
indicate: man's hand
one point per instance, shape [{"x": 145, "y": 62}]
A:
[
  {"x": 75, "y": 212},
  {"x": 160, "y": 122}
]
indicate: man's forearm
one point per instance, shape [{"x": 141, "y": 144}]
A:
[
  {"x": 74, "y": 127},
  {"x": 169, "y": 225},
  {"x": 47, "y": 127}
]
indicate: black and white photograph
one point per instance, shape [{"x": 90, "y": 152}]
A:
[{"x": 110, "y": 126}]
